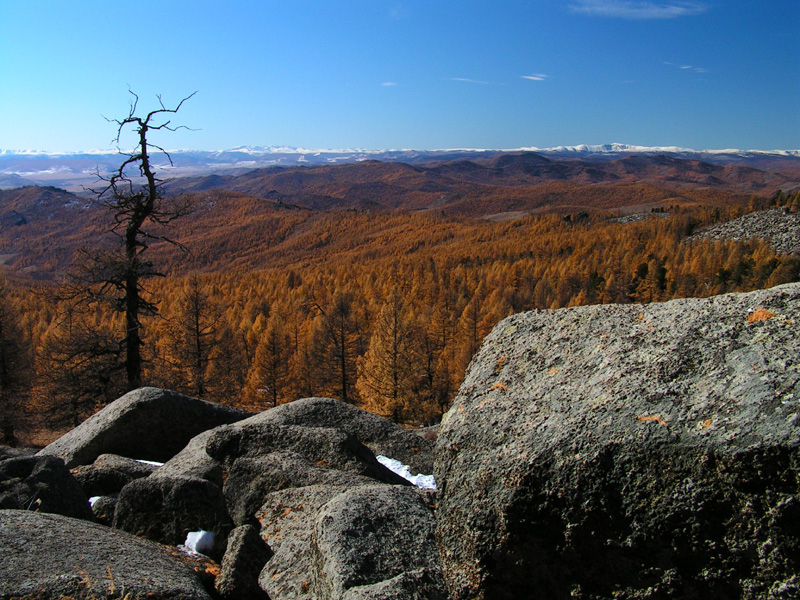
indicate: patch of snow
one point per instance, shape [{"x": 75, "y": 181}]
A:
[
  {"x": 422, "y": 481},
  {"x": 150, "y": 462},
  {"x": 199, "y": 542},
  {"x": 93, "y": 499}
]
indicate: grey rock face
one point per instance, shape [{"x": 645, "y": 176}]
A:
[
  {"x": 51, "y": 556},
  {"x": 252, "y": 478},
  {"x": 370, "y": 534},
  {"x": 287, "y": 524},
  {"x": 778, "y": 228},
  {"x": 245, "y": 557},
  {"x": 378, "y": 434},
  {"x": 12, "y": 452},
  {"x": 109, "y": 473},
  {"x": 148, "y": 423},
  {"x": 628, "y": 452},
  {"x": 425, "y": 584},
  {"x": 325, "y": 447},
  {"x": 165, "y": 509},
  {"x": 368, "y": 541},
  {"x": 103, "y": 509},
  {"x": 42, "y": 483},
  {"x": 193, "y": 461}
]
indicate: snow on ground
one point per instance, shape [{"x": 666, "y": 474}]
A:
[
  {"x": 199, "y": 542},
  {"x": 423, "y": 481}
]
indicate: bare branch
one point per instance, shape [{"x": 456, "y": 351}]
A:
[{"x": 117, "y": 276}]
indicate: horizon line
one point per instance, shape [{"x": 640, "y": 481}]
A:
[{"x": 614, "y": 147}]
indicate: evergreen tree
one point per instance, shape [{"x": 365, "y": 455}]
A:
[
  {"x": 15, "y": 366},
  {"x": 389, "y": 373},
  {"x": 268, "y": 378}
]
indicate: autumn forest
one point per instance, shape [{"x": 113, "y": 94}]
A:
[{"x": 256, "y": 302}]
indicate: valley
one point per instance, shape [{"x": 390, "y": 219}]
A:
[{"x": 283, "y": 279}]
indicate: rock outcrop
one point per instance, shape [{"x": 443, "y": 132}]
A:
[
  {"x": 332, "y": 542},
  {"x": 628, "y": 452},
  {"x": 779, "y": 228},
  {"x": 41, "y": 483},
  {"x": 51, "y": 556},
  {"x": 324, "y": 446},
  {"x": 245, "y": 556},
  {"x": 109, "y": 473},
  {"x": 231, "y": 476},
  {"x": 380, "y": 435},
  {"x": 165, "y": 509},
  {"x": 148, "y": 423},
  {"x": 374, "y": 535}
]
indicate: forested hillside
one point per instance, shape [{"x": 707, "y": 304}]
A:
[{"x": 383, "y": 308}]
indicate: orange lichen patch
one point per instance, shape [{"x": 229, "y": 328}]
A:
[
  {"x": 707, "y": 423},
  {"x": 553, "y": 371},
  {"x": 500, "y": 386},
  {"x": 656, "y": 418},
  {"x": 500, "y": 362},
  {"x": 286, "y": 512},
  {"x": 205, "y": 568},
  {"x": 760, "y": 314},
  {"x": 640, "y": 317}
]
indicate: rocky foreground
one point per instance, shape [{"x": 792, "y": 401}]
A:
[{"x": 594, "y": 452}]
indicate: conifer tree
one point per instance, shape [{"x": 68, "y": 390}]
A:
[
  {"x": 389, "y": 373},
  {"x": 338, "y": 336},
  {"x": 196, "y": 329},
  {"x": 268, "y": 378},
  {"x": 15, "y": 365}
]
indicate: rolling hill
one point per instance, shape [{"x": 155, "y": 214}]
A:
[{"x": 279, "y": 215}]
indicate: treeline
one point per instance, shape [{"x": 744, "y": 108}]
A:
[{"x": 391, "y": 331}]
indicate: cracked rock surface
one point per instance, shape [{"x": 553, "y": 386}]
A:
[{"x": 628, "y": 451}]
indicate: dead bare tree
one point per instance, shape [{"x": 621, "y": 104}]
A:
[{"x": 135, "y": 196}]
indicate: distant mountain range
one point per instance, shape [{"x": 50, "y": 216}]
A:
[
  {"x": 242, "y": 213},
  {"x": 78, "y": 170}
]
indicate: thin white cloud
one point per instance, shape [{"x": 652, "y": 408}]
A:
[
  {"x": 534, "y": 77},
  {"x": 389, "y": 84},
  {"x": 693, "y": 69},
  {"x": 466, "y": 80},
  {"x": 637, "y": 9}
]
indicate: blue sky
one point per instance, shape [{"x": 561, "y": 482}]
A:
[{"x": 380, "y": 74}]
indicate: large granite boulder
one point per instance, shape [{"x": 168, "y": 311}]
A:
[
  {"x": 52, "y": 556},
  {"x": 370, "y": 536},
  {"x": 381, "y": 436},
  {"x": 194, "y": 461},
  {"x": 331, "y": 542},
  {"x": 148, "y": 423},
  {"x": 42, "y": 483},
  {"x": 165, "y": 509},
  {"x": 628, "y": 452},
  {"x": 109, "y": 473},
  {"x": 287, "y": 523},
  {"x": 324, "y": 446},
  {"x": 241, "y": 566},
  {"x": 251, "y": 478}
]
